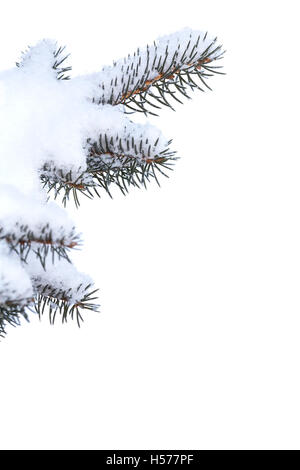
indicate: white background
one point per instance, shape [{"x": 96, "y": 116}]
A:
[{"x": 198, "y": 341}]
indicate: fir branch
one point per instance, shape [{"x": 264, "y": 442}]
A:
[
  {"x": 112, "y": 161},
  {"x": 24, "y": 240},
  {"x": 51, "y": 301},
  {"x": 125, "y": 154},
  {"x": 68, "y": 303},
  {"x": 59, "y": 301},
  {"x": 165, "y": 87},
  {"x": 156, "y": 75},
  {"x": 135, "y": 168}
]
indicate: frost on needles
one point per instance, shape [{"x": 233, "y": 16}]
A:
[{"x": 75, "y": 137}]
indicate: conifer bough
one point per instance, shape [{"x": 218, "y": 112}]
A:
[{"x": 74, "y": 137}]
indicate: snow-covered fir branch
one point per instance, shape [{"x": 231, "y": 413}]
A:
[
  {"x": 61, "y": 289},
  {"x": 73, "y": 137},
  {"x": 126, "y": 155},
  {"x": 152, "y": 75},
  {"x": 57, "y": 289}
]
